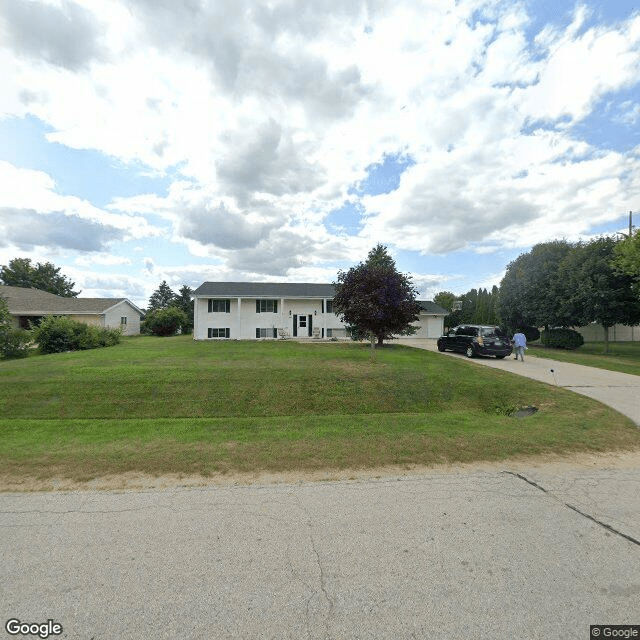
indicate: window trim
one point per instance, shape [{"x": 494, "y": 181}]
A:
[
  {"x": 269, "y": 332},
  {"x": 219, "y": 301},
  {"x": 225, "y": 330},
  {"x": 262, "y": 305}
]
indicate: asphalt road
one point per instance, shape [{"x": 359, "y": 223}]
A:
[{"x": 444, "y": 555}]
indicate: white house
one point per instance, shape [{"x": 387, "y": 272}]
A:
[
  {"x": 250, "y": 310},
  {"x": 27, "y": 305}
]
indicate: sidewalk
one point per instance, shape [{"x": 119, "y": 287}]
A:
[{"x": 618, "y": 390}]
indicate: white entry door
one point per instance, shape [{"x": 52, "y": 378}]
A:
[{"x": 302, "y": 325}]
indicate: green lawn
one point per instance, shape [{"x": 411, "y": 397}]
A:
[
  {"x": 162, "y": 405},
  {"x": 622, "y": 356}
]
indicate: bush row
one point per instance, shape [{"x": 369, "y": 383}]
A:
[
  {"x": 59, "y": 334},
  {"x": 561, "y": 338}
]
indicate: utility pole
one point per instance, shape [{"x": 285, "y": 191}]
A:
[{"x": 624, "y": 235}]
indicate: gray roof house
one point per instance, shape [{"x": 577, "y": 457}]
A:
[
  {"x": 28, "y": 304},
  {"x": 250, "y": 310}
]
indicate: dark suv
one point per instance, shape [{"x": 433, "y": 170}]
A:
[{"x": 476, "y": 340}]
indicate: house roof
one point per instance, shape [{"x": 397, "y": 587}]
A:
[
  {"x": 29, "y": 301},
  {"x": 432, "y": 308},
  {"x": 285, "y": 290},
  {"x": 265, "y": 290}
]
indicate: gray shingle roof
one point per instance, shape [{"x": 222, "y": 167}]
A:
[
  {"x": 432, "y": 308},
  {"x": 265, "y": 290},
  {"x": 23, "y": 301}
]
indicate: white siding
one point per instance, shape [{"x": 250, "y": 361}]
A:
[
  {"x": 242, "y": 320},
  {"x": 435, "y": 326},
  {"x": 429, "y": 326},
  {"x": 112, "y": 318}
]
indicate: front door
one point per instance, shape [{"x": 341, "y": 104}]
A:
[{"x": 302, "y": 325}]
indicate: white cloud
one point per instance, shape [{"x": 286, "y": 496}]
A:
[
  {"x": 267, "y": 114},
  {"x": 579, "y": 70},
  {"x": 32, "y": 212}
]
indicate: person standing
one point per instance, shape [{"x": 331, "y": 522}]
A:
[{"x": 520, "y": 344}]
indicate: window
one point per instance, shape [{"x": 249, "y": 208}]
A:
[
  {"x": 219, "y": 306},
  {"x": 266, "y": 306},
  {"x": 271, "y": 332},
  {"x": 123, "y": 320},
  {"x": 329, "y": 306},
  {"x": 218, "y": 333},
  {"x": 303, "y": 321}
]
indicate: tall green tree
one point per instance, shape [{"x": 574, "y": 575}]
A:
[
  {"x": 44, "y": 276},
  {"x": 470, "y": 306},
  {"x": 376, "y": 299},
  {"x": 530, "y": 290},
  {"x": 162, "y": 298},
  {"x": 445, "y": 299},
  {"x": 626, "y": 258},
  {"x": 164, "y": 322},
  {"x": 495, "y": 305},
  {"x": 477, "y": 306},
  {"x": 594, "y": 291},
  {"x": 184, "y": 302}
]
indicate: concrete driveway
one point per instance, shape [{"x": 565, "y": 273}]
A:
[
  {"x": 618, "y": 390},
  {"x": 502, "y": 554}
]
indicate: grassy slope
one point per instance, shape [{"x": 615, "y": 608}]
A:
[
  {"x": 174, "y": 405},
  {"x": 622, "y": 356}
]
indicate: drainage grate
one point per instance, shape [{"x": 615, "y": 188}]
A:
[{"x": 524, "y": 412}]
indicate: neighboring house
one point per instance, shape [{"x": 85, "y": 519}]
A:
[
  {"x": 250, "y": 310},
  {"x": 27, "y": 305}
]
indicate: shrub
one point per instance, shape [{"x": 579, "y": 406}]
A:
[
  {"x": 164, "y": 322},
  {"x": 562, "y": 339},
  {"x": 15, "y": 343},
  {"x": 110, "y": 337},
  {"x": 54, "y": 334},
  {"x": 357, "y": 334},
  {"x": 59, "y": 334},
  {"x": 531, "y": 333}
]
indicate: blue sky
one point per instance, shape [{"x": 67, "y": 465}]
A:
[{"x": 186, "y": 141}]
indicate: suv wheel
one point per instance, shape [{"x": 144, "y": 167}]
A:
[
  {"x": 440, "y": 346},
  {"x": 470, "y": 352}
]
